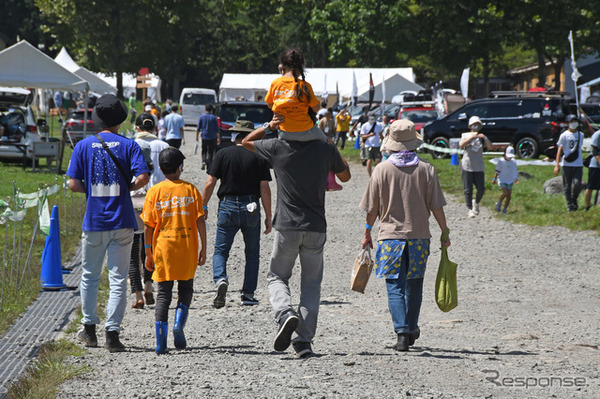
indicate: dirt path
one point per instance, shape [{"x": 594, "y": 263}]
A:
[{"x": 527, "y": 314}]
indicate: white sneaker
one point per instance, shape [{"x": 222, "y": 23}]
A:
[
  {"x": 475, "y": 207},
  {"x": 471, "y": 213}
]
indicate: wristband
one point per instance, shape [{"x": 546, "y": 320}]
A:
[
  {"x": 205, "y": 207},
  {"x": 147, "y": 246},
  {"x": 368, "y": 226}
]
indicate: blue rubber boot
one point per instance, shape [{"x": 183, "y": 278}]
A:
[
  {"x": 161, "y": 337},
  {"x": 181, "y": 315}
]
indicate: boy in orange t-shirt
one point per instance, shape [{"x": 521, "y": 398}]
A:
[
  {"x": 293, "y": 98},
  {"x": 173, "y": 218}
]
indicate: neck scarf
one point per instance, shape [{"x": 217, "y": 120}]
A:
[{"x": 404, "y": 158}]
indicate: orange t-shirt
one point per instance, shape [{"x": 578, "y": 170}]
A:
[
  {"x": 172, "y": 209},
  {"x": 283, "y": 99}
]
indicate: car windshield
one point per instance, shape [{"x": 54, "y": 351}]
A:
[
  {"x": 254, "y": 113},
  {"x": 198, "y": 99},
  {"x": 13, "y": 98},
  {"x": 420, "y": 116}
]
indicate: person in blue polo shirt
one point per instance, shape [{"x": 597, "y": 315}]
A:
[
  {"x": 109, "y": 220},
  {"x": 208, "y": 125}
]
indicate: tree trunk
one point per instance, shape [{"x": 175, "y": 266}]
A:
[
  {"x": 557, "y": 70},
  {"x": 120, "y": 84},
  {"x": 486, "y": 74},
  {"x": 541, "y": 68}
]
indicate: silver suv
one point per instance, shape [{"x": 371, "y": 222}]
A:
[{"x": 17, "y": 123}]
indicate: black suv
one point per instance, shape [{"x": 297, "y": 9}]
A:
[
  {"x": 531, "y": 122},
  {"x": 231, "y": 111}
]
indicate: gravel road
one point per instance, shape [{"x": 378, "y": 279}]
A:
[{"x": 527, "y": 323}]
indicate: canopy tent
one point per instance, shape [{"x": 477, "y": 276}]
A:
[
  {"x": 97, "y": 84},
  {"x": 130, "y": 83},
  {"x": 22, "y": 65},
  {"x": 323, "y": 80}
]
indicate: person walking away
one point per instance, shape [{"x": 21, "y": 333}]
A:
[
  {"x": 594, "y": 170},
  {"x": 360, "y": 142},
  {"x": 321, "y": 112},
  {"x": 294, "y": 100},
  {"x": 244, "y": 179},
  {"x": 173, "y": 218},
  {"x": 162, "y": 130},
  {"x": 342, "y": 127},
  {"x": 301, "y": 169},
  {"x": 144, "y": 126},
  {"x": 370, "y": 132},
  {"x": 174, "y": 125},
  {"x": 402, "y": 192},
  {"x": 109, "y": 219},
  {"x": 132, "y": 108},
  {"x": 472, "y": 167},
  {"x": 208, "y": 125},
  {"x": 569, "y": 149},
  {"x": 506, "y": 175}
]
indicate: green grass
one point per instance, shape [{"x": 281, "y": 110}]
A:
[
  {"x": 529, "y": 204},
  {"x": 48, "y": 371}
]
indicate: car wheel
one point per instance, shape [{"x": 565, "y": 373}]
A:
[
  {"x": 527, "y": 147},
  {"x": 442, "y": 142}
]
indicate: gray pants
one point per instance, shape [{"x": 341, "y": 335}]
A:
[
  {"x": 286, "y": 248},
  {"x": 469, "y": 179},
  {"x": 571, "y": 177}
]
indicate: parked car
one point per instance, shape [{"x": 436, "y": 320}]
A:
[
  {"x": 592, "y": 110},
  {"x": 73, "y": 126},
  {"x": 193, "y": 103},
  {"x": 418, "y": 115},
  {"x": 231, "y": 111},
  {"x": 18, "y": 128},
  {"x": 529, "y": 122}
]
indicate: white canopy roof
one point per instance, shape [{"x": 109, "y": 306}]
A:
[
  {"x": 96, "y": 83},
  {"x": 22, "y": 65},
  {"x": 324, "y": 80}
]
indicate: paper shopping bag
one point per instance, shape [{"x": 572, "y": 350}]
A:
[{"x": 363, "y": 265}]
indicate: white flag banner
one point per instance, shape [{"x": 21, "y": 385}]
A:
[
  {"x": 45, "y": 217},
  {"x": 324, "y": 93},
  {"x": 382, "y": 94},
  {"x": 354, "y": 94},
  {"x": 464, "y": 82}
]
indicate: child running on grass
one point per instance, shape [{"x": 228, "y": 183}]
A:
[
  {"x": 506, "y": 174},
  {"x": 173, "y": 218},
  {"x": 293, "y": 98}
]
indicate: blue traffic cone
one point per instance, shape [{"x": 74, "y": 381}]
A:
[
  {"x": 51, "y": 276},
  {"x": 454, "y": 160}
]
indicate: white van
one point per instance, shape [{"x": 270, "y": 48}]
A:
[{"x": 193, "y": 101}]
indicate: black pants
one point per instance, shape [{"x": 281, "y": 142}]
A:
[
  {"x": 469, "y": 179},
  {"x": 341, "y": 136},
  {"x": 135, "y": 276},
  {"x": 185, "y": 290},
  {"x": 571, "y": 177},
  {"x": 174, "y": 143},
  {"x": 209, "y": 147}
]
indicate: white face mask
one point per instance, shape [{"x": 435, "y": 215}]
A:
[
  {"x": 573, "y": 125},
  {"x": 476, "y": 127}
]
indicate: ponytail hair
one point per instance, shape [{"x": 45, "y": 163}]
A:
[{"x": 293, "y": 59}]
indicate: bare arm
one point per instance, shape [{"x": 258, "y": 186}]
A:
[
  {"x": 148, "y": 235},
  {"x": 140, "y": 181},
  {"x": 367, "y": 241},
  {"x": 440, "y": 217},
  {"x": 558, "y": 155},
  {"x": 202, "y": 231},
  {"x": 182, "y": 136},
  {"x": 207, "y": 192},
  {"x": 257, "y": 134},
  {"x": 345, "y": 175},
  {"x": 76, "y": 186},
  {"x": 265, "y": 198}
]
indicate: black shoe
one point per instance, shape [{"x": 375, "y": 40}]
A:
[
  {"x": 203, "y": 166},
  {"x": 248, "y": 300},
  {"x": 88, "y": 336},
  {"x": 219, "y": 300},
  {"x": 287, "y": 326},
  {"x": 364, "y": 162},
  {"x": 303, "y": 349},
  {"x": 412, "y": 337},
  {"x": 402, "y": 344},
  {"x": 112, "y": 342}
]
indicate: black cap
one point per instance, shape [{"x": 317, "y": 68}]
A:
[
  {"x": 109, "y": 111},
  {"x": 170, "y": 158},
  {"x": 145, "y": 121},
  {"x": 571, "y": 117}
]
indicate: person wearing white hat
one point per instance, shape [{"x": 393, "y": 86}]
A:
[
  {"x": 472, "y": 167},
  {"x": 402, "y": 192},
  {"x": 506, "y": 175}
]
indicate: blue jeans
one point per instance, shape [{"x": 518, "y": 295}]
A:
[
  {"x": 404, "y": 300},
  {"x": 233, "y": 216},
  {"x": 116, "y": 245}
]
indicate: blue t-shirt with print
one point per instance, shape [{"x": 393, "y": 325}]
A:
[{"x": 109, "y": 205}]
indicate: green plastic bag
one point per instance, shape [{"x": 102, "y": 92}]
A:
[{"x": 446, "y": 290}]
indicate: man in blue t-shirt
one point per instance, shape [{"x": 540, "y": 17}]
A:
[
  {"x": 208, "y": 125},
  {"x": 174, "y": 125},
  {"x": 109, "y": 220}
]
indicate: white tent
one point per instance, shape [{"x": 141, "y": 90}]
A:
[
  {"x": 253, "y": 86},
  {"x": 97, "y": 84},
  {"x": 130, "y": 83},
  {"x": 22, "y": 65}
]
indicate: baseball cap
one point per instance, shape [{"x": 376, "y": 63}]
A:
[
  {"x": 145, "y": 121},
  {"x": 473, "y": 120},
  {"x": 170, "y": 158},
  {"x": 510, "y": 152},
  {"x": 148, "y": 107},
  {"x": 109, "y": 111}
]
